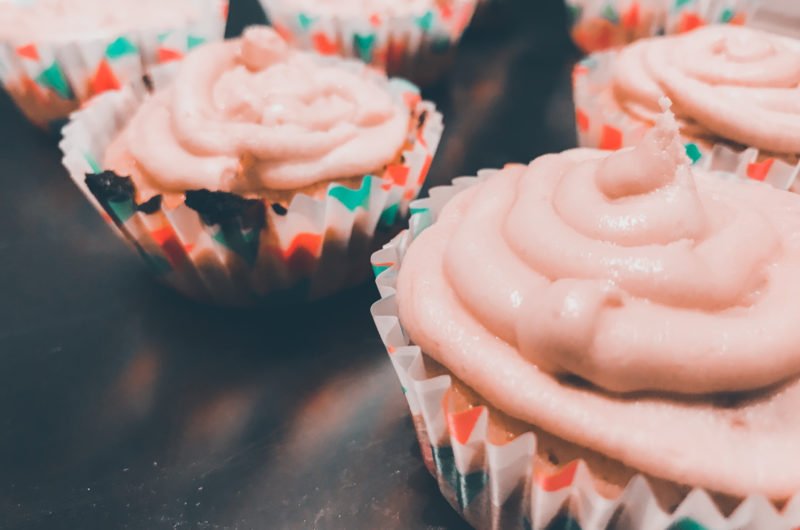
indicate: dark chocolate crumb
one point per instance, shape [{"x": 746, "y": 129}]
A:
[
  {"x": 552, "y": 458},
  {"x": 151, "y": 206},
  {"x": 148, "y": 82},
  {"x": 279, "y": 209},
  {"x": 108, "y": 186},
  {"x": 223, "y": 208}
]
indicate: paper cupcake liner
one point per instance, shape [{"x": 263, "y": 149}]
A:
[
  {"x": 414, "y": 47},
  {"x": 601, "y": 124},
  {"x": 499, "y": 486},
  {"x": 233, "y": 250},
  {"x": 601, "y": 24},
  {"x": 48, "y": 79}
]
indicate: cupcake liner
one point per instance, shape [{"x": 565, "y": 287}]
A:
[
  {"x": 600, "y": 124},
  {"x": 233, "y": 250},
  {"x": 498, "y": 486},
  {"x": 686, "y": 15},
  {"x": 49, "y": 79},
  {"x": 415, "y": 47},
  {"x": 601, "y": 24}
]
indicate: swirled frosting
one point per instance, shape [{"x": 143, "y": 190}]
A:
[
  {"x": 368, "y": 7},
  {"x": 27, "y": 20},
  {"x": 251, "y": 114},
  {"x": 735, "y": 83},
  {"x": 626, "y": 303}
]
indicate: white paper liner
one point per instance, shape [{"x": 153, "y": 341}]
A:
[
  {"x": 497, "y": 487},
  {"x": 602, "y": 125},
  {"x": 49, "y": 79},
  {"x": 415, "y": 47},
  {"x": 317, "y": 247},
  {"x": 601, "y": 24}
]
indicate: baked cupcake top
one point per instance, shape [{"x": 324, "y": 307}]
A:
[
  {"x": 53, "y": 20},
  {"x": 735, "y": 83},
  {"x": 627, "y": 303},
  {"x": 360, "y": 7},
  {"x": 251, "y": 114}
]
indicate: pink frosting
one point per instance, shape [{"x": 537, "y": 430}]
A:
[
  {"x": 251, "y": 114},
  {"x": 27, "y": 20},
  {"x": 733, "y": 82},
  {"x": 628, "y": 304}
]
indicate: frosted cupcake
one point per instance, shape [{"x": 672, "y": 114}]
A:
[
  {"x": 603, "y": 340},
  {"x": 56, "y": 54},
  {"x": 412, "y": 38},
  {"x": 601, "y": 24},
  {"x": 253, "y": 169},
  {"x": 736, "y": 93}
]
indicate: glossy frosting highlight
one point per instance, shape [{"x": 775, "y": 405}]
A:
[
  {"x": 251, "y": 114},
  {"x": 593, "y": 291},
  {"x": 732, "y": 82}
]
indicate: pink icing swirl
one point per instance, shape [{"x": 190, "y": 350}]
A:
[
  {"x": 591, "y": 291},
  {"x": 626, "y": 254},
  {"x": 252, "y": 114},
  {"x": 733, "y": 82}
]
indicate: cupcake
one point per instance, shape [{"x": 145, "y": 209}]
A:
[
  {"x": 603, "y": 340},
  {"x": 56, "y": 54},
  {"x": 601, "y": 24},
  {"x": 415, "y": 39},
  {"x": 251, "y": 169},
  {"x": 736, "y": 92}
]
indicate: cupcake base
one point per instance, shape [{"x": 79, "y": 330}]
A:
[{"x": 501, "y": 473}]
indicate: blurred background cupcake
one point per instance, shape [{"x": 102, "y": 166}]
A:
[
  {"x": 56, "y": 54},
  {"x": 601, "y": 24},
  {"x": 736, "y": 94},
  {"x": 568, "y": 368},
  {"x": 415, "y": 39},
  {"x": 254, "y": 169}
]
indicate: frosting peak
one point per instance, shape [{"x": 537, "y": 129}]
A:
[
  {"x": 262, "y": 47},
  {"x": 650, "y": 165}
]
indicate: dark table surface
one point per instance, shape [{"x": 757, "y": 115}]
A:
[{"x": 123, "y": 405}]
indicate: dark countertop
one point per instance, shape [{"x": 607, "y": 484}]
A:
[{"x": 123, "y": 405}]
